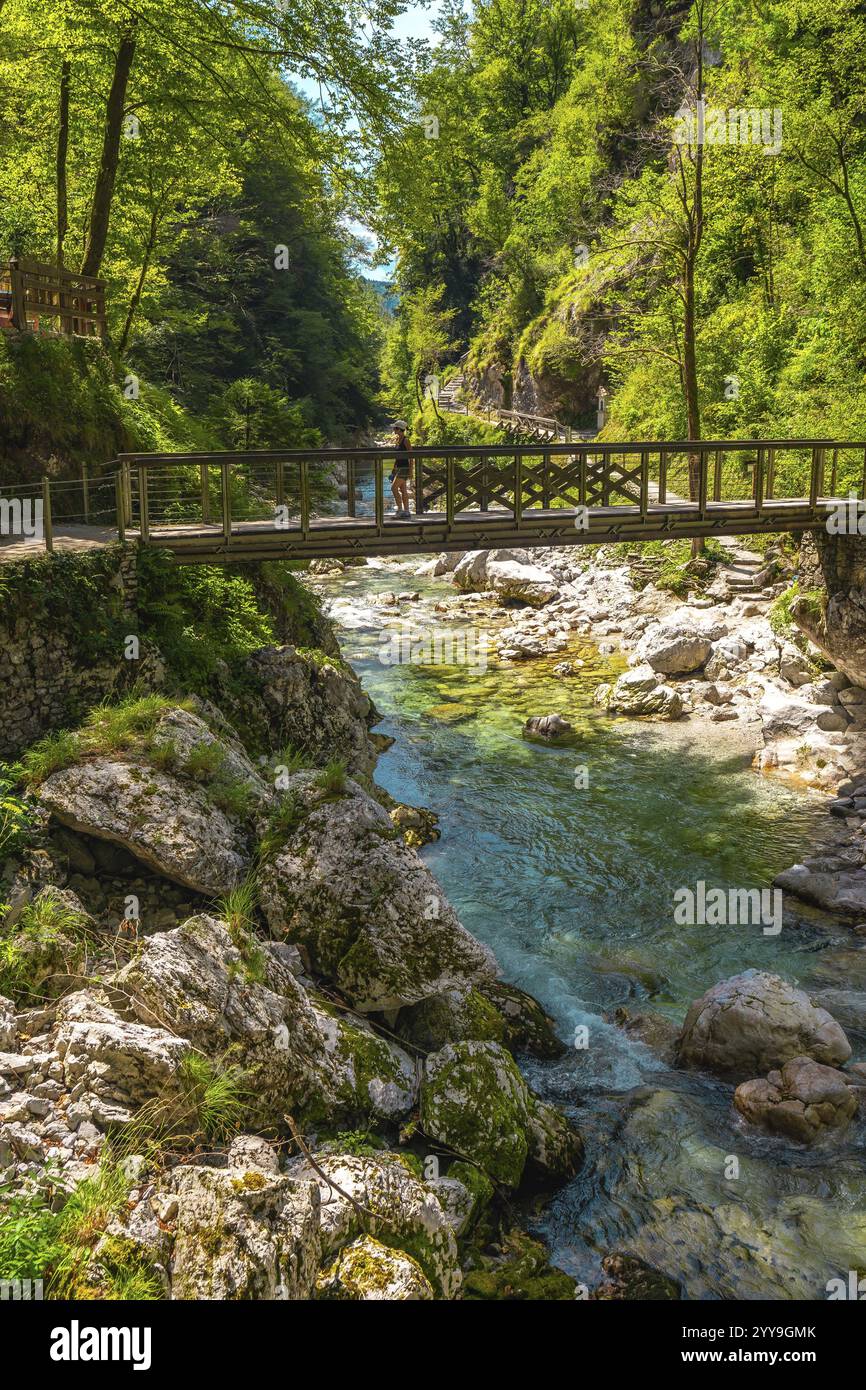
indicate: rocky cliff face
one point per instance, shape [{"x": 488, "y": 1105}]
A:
[
  {"x": 835, "y": 566},
  {"x": 238, "y": 1014}
]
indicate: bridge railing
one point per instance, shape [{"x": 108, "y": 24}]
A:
[{"x": 295, "y": 489}]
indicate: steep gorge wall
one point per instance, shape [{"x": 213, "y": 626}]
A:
[{"x": 835, "y": 565}]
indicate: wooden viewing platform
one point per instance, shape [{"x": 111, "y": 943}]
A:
[{"x": 335, "y": 503}]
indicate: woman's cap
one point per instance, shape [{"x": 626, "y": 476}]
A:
[{"x": 400, "y": 425}]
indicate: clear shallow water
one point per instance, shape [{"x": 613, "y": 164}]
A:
[{"x": 573, "y": 887}]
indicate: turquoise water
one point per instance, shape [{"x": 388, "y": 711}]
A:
[{"x": 566, "y": 860}]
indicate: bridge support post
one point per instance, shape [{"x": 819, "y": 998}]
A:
[
  {"x": 85, "y": 488},
  {"x": 351, "y": 485},
  {"x": 759, "y": 480},
  {"x": 449, "y": 493},
  {"x": 518, "y": 488},
  {"x": 663, "y": 477},
  {"x": 644, "y": 484},
  {"x": 703, "y": 479},
  {"x": 205, "y": 494}
]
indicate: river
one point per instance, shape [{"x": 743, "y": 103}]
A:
[{"x": 565, "y": 861}]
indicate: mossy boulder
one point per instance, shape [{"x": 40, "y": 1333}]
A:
[
  {"x": 368, "y": 1271},
  {"x": 527, "y": 1027},
  {"x": 455, "y": 1016},
  {"x": 44, "y": 953},
  {"x": 627, "y": 1277},
  {"x": 518, "y": 1271},
  {"x": 474, "y": 1099},
  {"x": 237, "y": 1239},
  {"x": 379, "y": 1195},
  {"x": 298, "y": 1054},
  {"x": 363, "y": 906}
]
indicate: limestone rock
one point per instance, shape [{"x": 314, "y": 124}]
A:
[
  {"x": 103, "y": 1054},
  {"x": 527, "y": 1027},
  {"x": 639, "y": 692},
  {"x": 672, "y": 649},
  {"x": 470, "y": 571},
  {"x": 298, "y": 1055},
  {"x": 368, "y": 1271},
  {"x": 365, "y": 908},
  {"x": 169, "y": 823},
  {"x": 841, "y": 893},
  {"x": 528, "y": 583},
  {"x": 754, "y": 1022},
  {"x": 455, "y": 1016},
  {"x": 474, "y": 1099},
  {"x": 8, "y": 1027},
  {"x": 244, "y": 1235},
  {"x": 549, "y": 728},
  {"x": 398, "y": 1209},
  {"x": 317, "y": 706},
  {"x": 802, "y": 1101}
]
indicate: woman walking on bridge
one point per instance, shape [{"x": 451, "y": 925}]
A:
[{"x": 400, "y": 473}]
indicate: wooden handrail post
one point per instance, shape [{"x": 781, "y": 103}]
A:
[
  {"x": 759, "y": 480},
  {"x": 703, "y": 479},
  {"x": 717, "y": 476},
  {"x": 305, "y": 497},
  {"x": 47, "y": 528},
  {"x": 120, "y": 503},
  {"x": 817, "y": 477},
  {"x": 518, "y": 487},
  {"x": 545, "y": 482},
  {"x": 85, "y": 487},
  {"x": 143, "y": 510},
  {"x": 205, "y": 493},
  {"x": 226, "y": 501},
  {"x": 663, "y": 477},
  {"x": 350, "y": 485},
  {"x": 770, "y": 485},
  {"x": 449, "y": 492},
  {"x": 379, "y": 494},
  {"x": 644, "y": 483}
]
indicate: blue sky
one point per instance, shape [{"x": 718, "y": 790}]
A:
[{"x": 415, "y": 23}]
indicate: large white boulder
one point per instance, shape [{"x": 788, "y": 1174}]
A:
[{"x": 755, "y": 1022}]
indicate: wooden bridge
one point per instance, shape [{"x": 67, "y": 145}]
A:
[{"x": 309, "y": 504}]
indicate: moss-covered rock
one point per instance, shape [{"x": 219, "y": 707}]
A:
[
  {"x": 380, "y": 1196},
  {"x": 455, "y": 1016},
  {"x": 297, "y": 1053},
  {"x": 366, "y": 910},
  {"x": 44, "y": 952},
  {"x": 474, "y": 1099},
  {"x": 519, "y": 1270},
  {"x": 241, "y": 1240},
  {"x": 627, "y": 1277},
  {"x": 527, "y": 1027},
  {"x": 368, "y": 1271}
]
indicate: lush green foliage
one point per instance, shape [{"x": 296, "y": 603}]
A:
[{"x": 554, "y": 224}]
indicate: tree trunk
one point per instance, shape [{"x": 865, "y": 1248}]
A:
[
  {"x": 62, "y": 148},
  {"x": 103, "y": 193},
  {"x": 145, "y": 266}
]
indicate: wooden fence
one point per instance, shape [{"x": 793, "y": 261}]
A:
[{"x": 33, "y": 293}]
